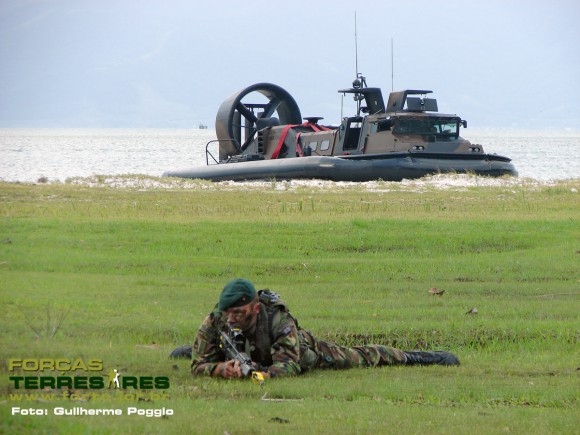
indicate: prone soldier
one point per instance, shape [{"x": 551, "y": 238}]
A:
[{"x": 275, "y": 343}]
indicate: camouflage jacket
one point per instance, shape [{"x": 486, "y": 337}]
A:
[{"x": 274, "y": 346}]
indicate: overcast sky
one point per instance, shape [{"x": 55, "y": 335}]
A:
[{"x": 171, "y": 63}]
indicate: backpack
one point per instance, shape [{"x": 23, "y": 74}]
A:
[{"x": 272, "y": 300}]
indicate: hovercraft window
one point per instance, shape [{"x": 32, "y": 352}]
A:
[
  {"x": 324, "y": 145},
  {"x": 352, "y": 135},
  {"x": 313, "y": 145},
  {"x": 442, "y": 128},
  {"x": 383, "y": 125}
]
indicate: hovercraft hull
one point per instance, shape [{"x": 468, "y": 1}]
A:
[{"x": 387, "y": 167}]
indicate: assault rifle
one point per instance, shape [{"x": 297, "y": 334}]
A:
[{"x": 232, "y": 353}]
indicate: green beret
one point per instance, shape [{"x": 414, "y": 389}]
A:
[{"x": 236, "y": 293}]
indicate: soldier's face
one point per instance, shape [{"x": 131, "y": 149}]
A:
[{"x": 243, "y": 317}]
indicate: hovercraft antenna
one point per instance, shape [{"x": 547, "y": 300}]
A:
[
  {"x": 355, "y": 48},
  {"x": 359, "y": 81},
  {"x": 392, "y": 66}
]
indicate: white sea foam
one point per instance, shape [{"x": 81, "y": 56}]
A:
[{"x": 440, "y": 181}]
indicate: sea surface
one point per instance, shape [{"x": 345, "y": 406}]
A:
[{"x": 27, "y": 155}]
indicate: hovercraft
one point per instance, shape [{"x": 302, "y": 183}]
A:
[{"x": 405, "y": 139}]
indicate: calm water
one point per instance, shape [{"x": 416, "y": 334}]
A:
[{"x": 57, "y": 154}]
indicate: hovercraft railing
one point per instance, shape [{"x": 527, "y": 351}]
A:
[{"x": 208, "y": 153}]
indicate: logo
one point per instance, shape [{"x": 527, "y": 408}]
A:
[
  {"x": 72, "y": 380},
  {"x": 114, "y": 378}
]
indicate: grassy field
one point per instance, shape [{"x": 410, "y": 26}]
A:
[{"x": 125, "y": 274}]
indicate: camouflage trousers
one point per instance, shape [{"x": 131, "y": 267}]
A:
[{"x": 318, "y": 354}]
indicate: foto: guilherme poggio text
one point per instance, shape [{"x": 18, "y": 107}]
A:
[{"x": 81, "y": 411}]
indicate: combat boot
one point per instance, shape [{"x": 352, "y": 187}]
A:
[
  {"x": 428, "y": 358},
  {"x": 182, "y": 352}
]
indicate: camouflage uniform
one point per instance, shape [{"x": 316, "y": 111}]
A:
[{"x": 278, "y": 346}]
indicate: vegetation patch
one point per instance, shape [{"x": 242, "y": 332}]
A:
[{"x": 126, "y": 272}]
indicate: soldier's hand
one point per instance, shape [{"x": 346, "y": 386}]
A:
[
  {"x": 237, "y": 370},
  {"x": 229, "y": 369}
]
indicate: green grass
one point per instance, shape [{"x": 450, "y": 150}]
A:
[{"x": 127, "y": 275}]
